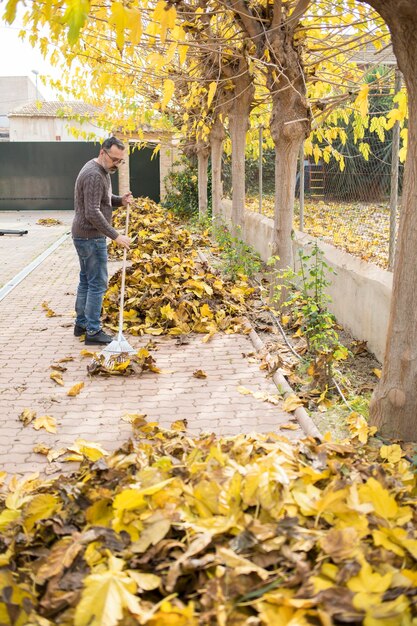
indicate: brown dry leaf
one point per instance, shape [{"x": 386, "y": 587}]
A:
[
  {"x": 27, "y": 416},
  {"x": 45, "y": 421},
  {"x": 75, "y": 389},
  {"x": 58, "y": 368},
  {"x": 41, "y": 448},
  {"x": 199, "y": 374},
  {"x": 291, "y": 403},
  {"x": 57, "y": 377}
]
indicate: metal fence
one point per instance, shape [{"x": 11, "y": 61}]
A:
[{"x": 356, "y": 209}]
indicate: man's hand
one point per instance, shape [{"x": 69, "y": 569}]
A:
[
  {"x": 127, "y": 198},
  {"x": 123, "y": 241}
]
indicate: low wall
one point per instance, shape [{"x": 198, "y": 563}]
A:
[{"x": 360, "y": 291}]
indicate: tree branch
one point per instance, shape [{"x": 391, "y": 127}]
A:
[
  {"x": 298, "y": 13},
  {"x": 245, "y": 17}
]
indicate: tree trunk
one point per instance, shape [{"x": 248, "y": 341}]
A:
[
  {"x": 394, "y": 403},
  {"x": 239, "y": 124},
  {"x": 286, "y": 158},
  {"x": 202, "y": 160},
  {"x": 290, "y": 125},
  {"x": 216, "y": 140}
]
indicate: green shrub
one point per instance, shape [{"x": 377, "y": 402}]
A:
[{"x": 182, "y": 189}]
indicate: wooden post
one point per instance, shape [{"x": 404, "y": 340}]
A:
[
  {"x": 393, "y": 203},
  {"x": 302, "y": 187},
  {"x": 260, "y": 168}
]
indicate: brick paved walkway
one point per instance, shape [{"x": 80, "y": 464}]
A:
[{"x": 31, "y": 342}]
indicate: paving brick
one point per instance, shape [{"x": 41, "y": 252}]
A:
[{"x": 211, "y": 404}]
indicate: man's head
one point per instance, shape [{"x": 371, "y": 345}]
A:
[{"x": 111, "y": 154}]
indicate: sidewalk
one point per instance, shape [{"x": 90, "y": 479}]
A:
[
  {"x": 18, "y": 251},
  {"x": 32, "y": 342}
]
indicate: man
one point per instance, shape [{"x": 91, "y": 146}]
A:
[{"x": 93, "y": 204}]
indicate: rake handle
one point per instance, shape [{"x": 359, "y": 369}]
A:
[{"x": 122, "y": 288}]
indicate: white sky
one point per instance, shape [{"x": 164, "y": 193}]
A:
[{"x": 18, "y": 58}]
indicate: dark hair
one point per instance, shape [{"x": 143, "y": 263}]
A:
[{"x": 112, "y": 141}]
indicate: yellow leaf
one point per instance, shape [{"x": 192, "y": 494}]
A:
[
  {"x": 370, "y": 581},
  {"x": 75, "y": 390},
  {"x": 41, "y": 448},
  {"x": 244, "y": 391},
  {"x": 40, "y": 507},
  {"x": 88, "y": 353},
  {"x": 89, "y": 449},
  {"x": 392, "y": 453},
  {"x": 383, "y": 502},
  {"x": 168, "y": 92},
  {"x": 377, "y": 372},
  {"x": 291, "y": 403},
  {"x": 105, "y": 597},
  {"x": 45, "y": 421},
  {"x": 27, "y": 416},
  {"x": 137, "y": 419},
  {"x": 289, "y": 426},
  {"x": 362, "y": 99},
  {"x": 156, "y": 527},
  {"x": 211, "y": 92},
  {"x": 179, "y": 425},
  {"x": 134, "y": 24},
  {"x": 146, "y": 582},
  {"x": 57, "y": 377},
  {"x": 199, "y": 374}
]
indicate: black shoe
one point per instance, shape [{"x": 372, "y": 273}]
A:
[
  {"x": 79, "y": 331},
  {"x": 100, "y": 337}
]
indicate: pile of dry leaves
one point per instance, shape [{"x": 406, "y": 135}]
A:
[
  {"x": 168, "y": 291},
  {"x": 244, "y": 530}
]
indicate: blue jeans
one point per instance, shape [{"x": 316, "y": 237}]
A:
[{"x": 92, "y": 254}]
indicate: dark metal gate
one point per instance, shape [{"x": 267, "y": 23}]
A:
[
  {"x": 144, "y": 173},
  {"x": 41, "y": 175}
]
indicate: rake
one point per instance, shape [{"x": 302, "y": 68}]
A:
[{"x": 119, "y": 349}]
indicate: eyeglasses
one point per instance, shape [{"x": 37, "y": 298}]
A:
[{"x": 114, "y": 160}]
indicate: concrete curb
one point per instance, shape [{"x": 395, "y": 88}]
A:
[
  {"x": 11, "y": 284},
  {"x": 280, "y": 381}
]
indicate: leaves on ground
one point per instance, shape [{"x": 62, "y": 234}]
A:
[
  {"x": 123, "y": 364},
  {"x": 75, "y": 389},
  {"x": 48, "y": 311},
  {"x": 360, "y": 228},
  {"x": 207, "y": 531},
  {"x": 27, "y": 416},
  {"x": 45, "y": 421},
  {"x": 168, "y": 291},
  {"x": 199, "y": 374},
  {"x": 56, "y": 376},
  {"x": 48, "y": 221}
]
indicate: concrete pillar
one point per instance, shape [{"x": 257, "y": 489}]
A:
[
  {"x": 168, "y": 155},
  {"x": 124, "y": 175}
]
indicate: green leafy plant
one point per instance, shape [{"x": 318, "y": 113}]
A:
[
  {"x": 182, "y": 189},
  {"x": 237, "y": 256},
  {"x": 304, "y": 309}
]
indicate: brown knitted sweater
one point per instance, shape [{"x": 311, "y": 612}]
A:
[{"x": 93, "y": 203}]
